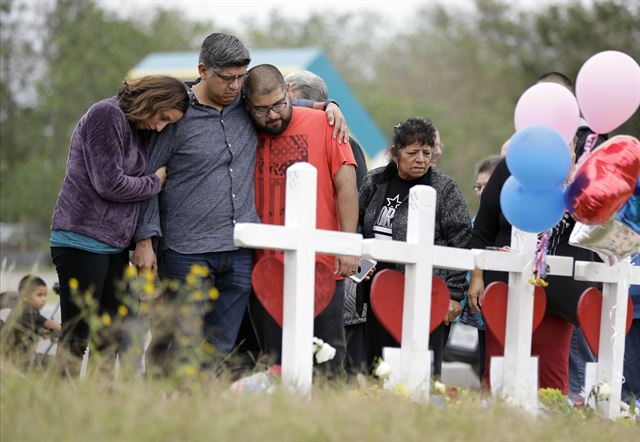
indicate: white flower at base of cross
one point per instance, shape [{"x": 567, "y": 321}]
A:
[
  {"x": 602, "y": 391},
  {"x": 323, "y": 351},
  {"x": 382, "y": 370}
]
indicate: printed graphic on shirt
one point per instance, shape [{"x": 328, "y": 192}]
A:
[
  {"x": 279, "y": 153},
  {"x": 383, "y": 227}
]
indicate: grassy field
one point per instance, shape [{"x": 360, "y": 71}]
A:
[{"x": 39, "y": 407}]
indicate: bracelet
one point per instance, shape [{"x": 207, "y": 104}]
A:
[{"x": 327, "y": 103}]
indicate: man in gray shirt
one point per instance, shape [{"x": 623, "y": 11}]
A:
[{"x": 210, "y": 155}]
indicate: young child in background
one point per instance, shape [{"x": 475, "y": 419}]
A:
[{"x": 26, "y": 324}]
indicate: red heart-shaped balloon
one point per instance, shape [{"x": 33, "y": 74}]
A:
[
  {"x": 605, "y": 181},
  {"x": 494, "y": 308},
  {"x": 268, "y": 283},
  {"x": 387, "y": 300},
  {"x": 589, "y": 311}
]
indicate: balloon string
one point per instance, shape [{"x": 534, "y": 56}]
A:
[{"x": 541, "y": 268}]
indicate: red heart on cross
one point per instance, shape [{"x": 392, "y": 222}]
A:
[
  {"x": 494, "y": 308},
  {"x": 589, "y": 314},
  {"x": 268, "y": 283},
  {"x": 387, "y": 300}
]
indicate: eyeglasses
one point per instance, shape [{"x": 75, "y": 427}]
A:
[
  {"x": 279, "y": 106},
  {"x": 228, "y": 79}
]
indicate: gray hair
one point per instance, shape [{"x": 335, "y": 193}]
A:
[
  {"x": 223, "y": 50},
  {"x": 309, "y": 85}
]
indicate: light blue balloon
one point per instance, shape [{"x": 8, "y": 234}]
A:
[
  {"x": 531, "y": 210},
  {"x": 538, "y": 157}
]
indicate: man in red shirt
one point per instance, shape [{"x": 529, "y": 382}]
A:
[{"x": 288, "y": 135}]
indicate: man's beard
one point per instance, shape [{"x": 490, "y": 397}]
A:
[{"x": 284, "y": 123}]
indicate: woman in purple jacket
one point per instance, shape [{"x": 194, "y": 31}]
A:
[{"x": 97, "y": 208}]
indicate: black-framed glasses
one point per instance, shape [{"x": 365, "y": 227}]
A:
[
  {"x": 263, "y": 111},
  {"x": 228, "y": 79}
]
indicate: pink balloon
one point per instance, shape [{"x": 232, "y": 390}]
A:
[
  {"x": 608, "y": 90},
  {"x": 548, "y": 104}
]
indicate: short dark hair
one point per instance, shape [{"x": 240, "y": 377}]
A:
[
  {"x": 415, "y": 130},
  {"x": 557, "y": 77},
  {"x": 310, "y": 85},
  {"x": 263, "y": 79},
  {"x": 223, "y": 50},
  {"x": 29, "y": 283},
  {"x": 144, "y": 97},
  {"x": 487, "y": 165}
]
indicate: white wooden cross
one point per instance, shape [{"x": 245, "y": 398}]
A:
[
  {"x": 300, "y": 241},
  {"x": 410, "y": 364},
  {"x": 613, "y": 318},
  {"x": 516, "y": 374}
]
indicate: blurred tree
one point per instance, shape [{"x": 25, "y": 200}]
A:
[
  {"x": 463, "y": 68},
  {"x": 17, "y": 49},
  {"x": 86, "y": 54}
]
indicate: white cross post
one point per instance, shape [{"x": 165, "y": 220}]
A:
[
  {"x": 516, "y": 373},
  {"x": 300, "y": 241},
  {"x": 613, "y": 318},
  {"x": 410, "y": 364}
]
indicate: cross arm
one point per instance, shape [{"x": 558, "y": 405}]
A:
[
  {"x": 390, "y": 251},
  {"x": 264, "y": 236},
  {"x": 513, "y": 262},
  {"x": 332, "y": 242},
  {"x": 596, "y": 271},
  {"x": 453, "y": 259}
]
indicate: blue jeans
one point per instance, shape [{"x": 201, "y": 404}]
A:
[
  {"x": 230, "y": 273},
  {"x": 579, "y": 355}
]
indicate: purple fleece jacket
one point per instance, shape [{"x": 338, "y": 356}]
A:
[{"x": 103, "y": 185}]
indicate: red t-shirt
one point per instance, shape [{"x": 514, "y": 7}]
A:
[{"x": 308, "y": 138}]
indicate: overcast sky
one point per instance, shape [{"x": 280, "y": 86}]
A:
[{"x": 230, "y": 13}]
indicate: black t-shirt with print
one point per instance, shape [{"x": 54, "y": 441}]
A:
[{"x": 397, "y": 194}]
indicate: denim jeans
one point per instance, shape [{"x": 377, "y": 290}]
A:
[
  {"x": 579, "y": 355},
  {"x": 230, "y": 273}
]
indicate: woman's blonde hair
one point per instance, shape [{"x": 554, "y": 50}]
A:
[{"x": 144, "y": 97}]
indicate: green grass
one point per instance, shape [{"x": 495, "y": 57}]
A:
[{"x": 40, "y": 407}]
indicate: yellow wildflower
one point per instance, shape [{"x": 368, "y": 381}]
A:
[
  {"x": 73, "y": 284},
  {"x": 106, "y": 319},
  {"x": 149, "y": 275},
  {"x": 401, "y": 390},
  {"x": 174, "y": 285},
  {"x": 214, "y": 293},
  {"x": 149, "y": 288},
  {"x": 208, "y": 347},
  {"x": 123, "y": 310},
  {"x": 192, "y": 280},
  {"x": 185, "y": 309},
  {"x": 199, "y": 270},
  {"x": 189, "y": 370},
  {"x": 130, "y": 272},
  {"x": 198, "y": 295}
]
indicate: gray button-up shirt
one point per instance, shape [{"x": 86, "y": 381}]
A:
[{"x": 210, "y": 157}]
